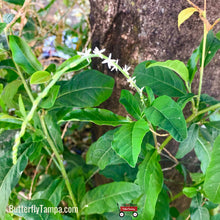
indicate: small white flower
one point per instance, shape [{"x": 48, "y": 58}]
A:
[
  {"x": 109, "y": 61},
  {"x": 98, "y": 52},
  {"x": 131, "y": 81},
  {"x": 141, "y": 90},
  {"x": 126, "y": 69},
  {"x": 114, "y": 66},
  {"x": 141, "y": 95},
  {"x": 85, "y": 54}
]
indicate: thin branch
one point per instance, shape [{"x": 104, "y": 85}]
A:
[
  {"x": 35, "y": 173},
  {"x": 216, "y": 22},
  {"x": 65, "y": 129},
  {"x": 19, "y": 14},
  {"x": 195, "y": 6},
  {"x": 89, "y": 38},
  {"x": 169, "y": 168},
  {"x": 50, "y": 161},
  {"x": 161, "y": 135},
  {"x": 188, "y": 217},
  {"x": 176, "y": 161}
]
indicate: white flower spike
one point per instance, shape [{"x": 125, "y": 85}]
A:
[
  {"x": 131, "y": 81},
  {"x": 98, "y": 52},
  {"x": 109, "y": 61},
  {"x": 85, "y": 54},
  {"x": 114, "y": 66},
  {"x": 126, "y": 69}
]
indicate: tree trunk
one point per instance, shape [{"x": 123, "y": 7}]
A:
[{"x": 135, "y": 31}]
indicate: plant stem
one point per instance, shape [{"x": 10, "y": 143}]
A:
[
  {"x": 203, "y": 60},
  {"x": 60, "y": 161},
  {"x": 166, "y": 141},
  {"x": 213, "y": 107},
  {"x": 24, "y": 82},
  {"x": 176, "y": 196}
]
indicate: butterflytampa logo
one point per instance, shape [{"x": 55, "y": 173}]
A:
[{"x": 38, "y": 209}]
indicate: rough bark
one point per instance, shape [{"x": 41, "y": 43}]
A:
[{"x": 134, "y": 31}]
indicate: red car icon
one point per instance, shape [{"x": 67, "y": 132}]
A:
[{"x": 128, "y": 208}]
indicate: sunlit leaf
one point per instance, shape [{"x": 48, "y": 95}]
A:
[
  {"x": 185, "y": 14},
  {"x": 40, "y": 77},
  {"x": 175, "y": 65}
]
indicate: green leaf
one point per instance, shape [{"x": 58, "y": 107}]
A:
[
  {"x": 47, "y": 6},
  {"x": 212, "y": 178},
  {"x": 86, "y": 89},
  {"x": 127, "y": 140},
  {"x": 2, "y": 27},
  {"x": 218, "y": 35},
  {"x": 175, "y": 65},
  {"x": 198, "y": 212},
  {"x": 150, "y": 95},
  {"x": 97, "y": 116},
  {"x": 197, "y": 177},
  {"x": 162, "y": 211},
  {"x": 45, "y": 210},
  {"x": 215, "y": 217},
  {"x": 168, "y": 115},
  {"x": 50, "y": 99},
  {"x": 9, "y": 122},
  {"x": 10, "y": 175},
  {"x": 185, "y": 14},
  {"x": 130, "y": 103},
  {"x": 51, "y": 68},
  {"x": 21, "y": 106},
  {"x": 203, "y": 151},
  {"x": 120, "y": 172},
  {"x": 79, "y": 188},
  {"x": 161, "y": 80},
  {"x": 73, "y": 64},
  {"x": 54, "y": 131},
  {"x": 212, "y": 46},
  {"x": 182, "y": 101},
  {"x": 150, "y": 179},
  {"x": 101, "y": 153},
  {"x": 23, "y": 55},
  {"x": 8, "y": 64},
  {"x": 104, "y": 198},
  {"x": 208, "y": 99},
  {"x": 115, "y": 216},
  {"x": 9, "y": 92},
  {"x": 40, "y": 77},
  {"x": 8, "y": 217},
  {"x": 17, "y": 2},
  {"x": 190, "y": 191},
  {"x": 192, "y": 64},
  {"x": 189, "y": 143},
  {"x": 52, "y": 193}
]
